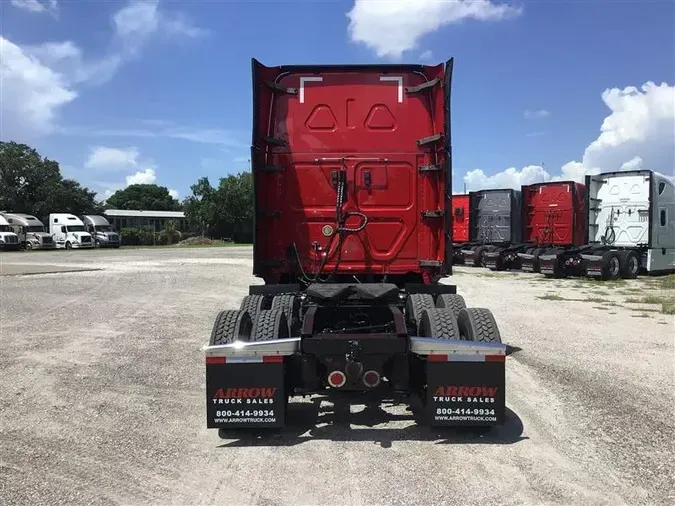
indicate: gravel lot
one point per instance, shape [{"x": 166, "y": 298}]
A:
[{"x": 102, "y": 397}]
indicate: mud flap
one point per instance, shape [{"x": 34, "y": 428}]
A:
[
  {"x": 493, "y": 260},
  {"x": 245, "y": 384},
  {"x": 548, "y": 264},
  {"x": 527, "y": 262},
  {"x": 592, "y": 265},
  {"x": 466, "y": 392}
]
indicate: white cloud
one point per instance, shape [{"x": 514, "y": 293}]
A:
[
  {"x": 426, "y": 55},
  {"x": 538, "y": 114},
  {"x": 392, "y": 27},
  {"x": 173, "y": 193},
  {"x": 39, "y": 80},
  {"x": 106, "y": 158},
  {"x": 32, "y": 93},
  {"x": 638, "y": 133},
  {"x": 146, "y": 176},
  {"x": 36, "y": 6}
]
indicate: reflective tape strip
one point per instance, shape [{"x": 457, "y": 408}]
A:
[
  {"x": 465, "y": 358},
  {"x": 267, "y": 359}
]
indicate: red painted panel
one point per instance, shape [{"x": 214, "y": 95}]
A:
[
  {"x": 554, "y": 213},
  {"x": 460, "y": 218},
  {"x": 361, "y": 123}
]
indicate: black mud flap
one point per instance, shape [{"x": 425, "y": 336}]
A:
[
  {"x": 548, "y": 264},
  {"x": 466, "y": 392},
  {"x": 592, "y": 265},
  {"x": 245, "y": 394},
  {"x": 526, "y": 262},
  {"x": 493, "y": 260}
]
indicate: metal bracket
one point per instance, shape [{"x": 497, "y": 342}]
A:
[
  {"x": 429, "y": 168},
  {"x": 429, "y": 140},
  {"x": 430, "y": 263},
  {"x": 433, "y": 214},
  {"x": 275, "y": 140},
  {"x": 423, "y": 86},
  {"x": 281, "y": 89}
]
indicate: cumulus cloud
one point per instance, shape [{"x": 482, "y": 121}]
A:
[
  {"x": 638, "y": 133},
  {"x": 426, "y": 55},
  {"x": 106, "y": 158},
  {"x": 391, "y": 27},
  {"x": 36, "y": 6},
  {"x": 173, "y": 193},
  {"x": 32, "y": 93},
  {"x": 39, "y": 80},
  {"x": 537, "y": 114},
  {"x": 146, "y": 176}
]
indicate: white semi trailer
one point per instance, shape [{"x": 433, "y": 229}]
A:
[
  {"x": 630, "y": 228},
  {"x": 69, "y": 231}
]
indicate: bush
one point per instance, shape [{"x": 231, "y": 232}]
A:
[{"x": 137, "y": 237}]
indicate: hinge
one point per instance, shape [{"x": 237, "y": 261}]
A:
[
  {"x": 430, "y": 263},
  {"x": 281, "y": 89},
  {"x": 429, "y": 168},
  {"x": 275, "y": 140},
  {"x": 423, "y": 86},
  {"x": 433, "y": 214},
  {"x": 269, "y": 168},
  {"x": 269, "y": 214},
  {"x": 429, "y": 140}
]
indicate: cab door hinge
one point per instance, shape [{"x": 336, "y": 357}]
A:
[
  {"x": 275, "y": 140},
  {"x": 423, "y": 86},
  {"x": 429, "y": 140},
  {"x": 436, "y": 213},
  {"x": 430, "y": 168}
]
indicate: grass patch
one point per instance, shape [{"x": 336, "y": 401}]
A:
[
  {"x": 600, "y": 282},
  {"x": 640, "y": 315},
  {"x": 551, "y": 296},
  {"x": 667, "y": 282},
  {"x": 595, "y": 299},
  {"x": 601, "y": 307},
  {"x": 667, "y": 303},
  {"x": 668, "y": 307}
]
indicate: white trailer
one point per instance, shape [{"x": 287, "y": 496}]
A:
[
  {"x": 69, "y": 231},
  {"x": 630, "y": 228},
  {"x": 8, "y": 239}
]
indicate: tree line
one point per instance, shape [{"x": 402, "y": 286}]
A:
[{"x": 32, "y": 184}]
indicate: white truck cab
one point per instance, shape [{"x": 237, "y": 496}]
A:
[
  {"x": 8, "y": 239},
  {"x": 69, "y": 231}
]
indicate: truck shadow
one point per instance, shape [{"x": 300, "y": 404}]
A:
[{"x": 317, "y": 421}]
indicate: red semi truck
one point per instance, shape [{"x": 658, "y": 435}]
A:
[
  {"x": 352, "y": 183},
  {"x": 554, "y": 220},
  {"x": 460, "y": 225}
]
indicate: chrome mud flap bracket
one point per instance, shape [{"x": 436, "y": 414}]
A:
[
  {"x": 245, "y": 383},
  {"x": 465, "y": 381}
]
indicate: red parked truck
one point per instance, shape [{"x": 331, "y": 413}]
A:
[
  {"x": 460, "y": 225},
  {"x": 352, "y": 183},
  {"x": 554, "y": 216}
]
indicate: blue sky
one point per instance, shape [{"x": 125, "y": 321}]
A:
[{"x": 159, "y": 91}]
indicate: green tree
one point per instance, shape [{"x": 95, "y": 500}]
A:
[
  {"x": 200, "y": 208},
  {"x": 170, "y": 233},
  {"x": 150, "y": 197},
  {"x": 32, "y": 184}
]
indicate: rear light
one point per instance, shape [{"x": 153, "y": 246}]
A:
[
  {"x": 337, "y": 379},
  {"x": 371, "y": 378}
]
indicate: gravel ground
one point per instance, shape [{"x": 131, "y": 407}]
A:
[{"x": 102, "y": 397}]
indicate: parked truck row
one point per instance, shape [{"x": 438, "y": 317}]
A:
[
  {"x": 616, "y": 225},
  {"x": 67, "y": 231}
]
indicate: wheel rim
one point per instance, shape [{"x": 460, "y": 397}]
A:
[{"x": 614, "y": 266}]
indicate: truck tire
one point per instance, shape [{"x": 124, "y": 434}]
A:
[
  {"x": 478, "y": 324},
  {"x": 610, "y": 266},
  {"x": 630, "y": 264},
  {"x": 439, "y": 323},
  {"x": 479, "y": 256},
  {"x": 254, "y": 304},
  {"x": 290, "y": 305},
  {"x": 231, "y": 325},
  {"x": 452, "y": 301},
  {"x": 270, "y": 324},
  {"x": 415, "y": 304}
]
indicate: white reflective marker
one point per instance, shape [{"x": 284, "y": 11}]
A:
[
  {"x": 396, "y": 79},
  {"x": 304, "y": 80}
]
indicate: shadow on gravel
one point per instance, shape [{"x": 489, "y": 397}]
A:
[{"x": 313, "y": 421}]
